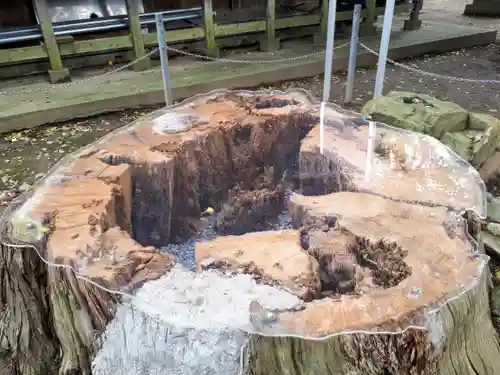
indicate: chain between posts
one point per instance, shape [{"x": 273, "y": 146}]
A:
[
  {"x": 430, "y": 74},
  {"x": 241, "y": 61},
  {"x": 153, "y": 51},
  {"x": 82, "y": 81}
]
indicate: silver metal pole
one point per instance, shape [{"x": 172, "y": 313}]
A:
[
  {"x": 384, "y": 48},
  {"x": 162, "y": 44},
  {"x": 353, "y": 53},
  {"x": 330, "y": 40}
]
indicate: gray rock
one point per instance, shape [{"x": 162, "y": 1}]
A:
[
  {"x": 494, "y": 228},
  {"x": 488, "y": 137},
  {"x": 490, "y": 167},
  {"x": 417, "y": 112},
  {"x": 495, "y": 301},
  {"x": 491, "y": 244},
  {"x": 24, "y": 187},
  {"x": 7, "y": 195},
  {"x": 493, "y": 208},
  {"x": 460, "y": 143}
]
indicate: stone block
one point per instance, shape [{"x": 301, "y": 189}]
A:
[
  {"x": 487, "y": 137},
  {"x": 460, "y": 143},
  {"x": 493, "y": 208},
  {"x": 417, "y": 112},
  {"x": 490, "y": 167},
  {"x": 491, "y": 243}
]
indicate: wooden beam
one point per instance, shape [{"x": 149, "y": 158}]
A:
[
  {"x": 414, "y": 22},
  {"x": 57, "y": 72},
  {"x": 320, "y": 36},
  {"x": 368, "y": 27},
  {"x": 270, "y": 43},
  {"x": 15, "y": 56},
  {"x": 136, "y": 35},
  {"x": 211, "y": 48}
]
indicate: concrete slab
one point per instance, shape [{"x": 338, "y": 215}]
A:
[{"x": 42, "y": 103}]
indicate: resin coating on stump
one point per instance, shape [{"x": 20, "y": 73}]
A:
[{"x": 226, "y": 203}]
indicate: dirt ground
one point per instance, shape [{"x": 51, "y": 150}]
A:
[{"x": 27, "y": 155}]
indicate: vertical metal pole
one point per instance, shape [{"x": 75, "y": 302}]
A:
[
  {"x": 384, "y": 48},
  {"x": 160, "y": 32},
  {"x": 353, "y": 53},
  {"x": 330, "y": 40}
]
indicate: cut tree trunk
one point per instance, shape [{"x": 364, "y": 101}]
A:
[{"x": 377, "y": 255}]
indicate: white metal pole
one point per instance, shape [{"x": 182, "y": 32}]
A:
[
  {"x": 160, "y": 31},
  {"x": 353, "y": 52},
  {"x": 369, "y": 150},
  {"x": 384, "y": 47},
  {"x": 330, "y": 40}
]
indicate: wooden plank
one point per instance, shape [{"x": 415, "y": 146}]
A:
[
  {"x": 136, "y": 35},
  {"x": 211, "y": 48},
  {"x": 57, "y": 72},
  {"x": 370, "y": 16},
  {"x": 269, "y": 42},
  {"x": 414, "y": 22},
  {"x": 320, "y": 36}
]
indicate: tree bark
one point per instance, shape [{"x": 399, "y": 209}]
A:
[{"x": 469, "y": 346}]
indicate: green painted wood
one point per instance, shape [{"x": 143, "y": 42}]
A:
[
  {"x": 370, "y": 18},
  {"x": 320, "y": 37},
  {"x": 136, "y": 35},
  {"x": 49, "y": 38},
  {"x": 414, "y": 22},
  {"x": 270, "y": 43},
  {"x": 14, "y": 56},
  {"x": 211, "y": 48}
]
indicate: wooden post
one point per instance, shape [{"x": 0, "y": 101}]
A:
[
  {"x": 136, "y": 35},
  {"x": 414, "y": 23},
  {"x": 57, "y": 72},
  {"x": 320, "y": 36},
  {"x": 211, "y": 48},
  {"x": 368, "y": 27},
  {"x": 270, "y": 43}
]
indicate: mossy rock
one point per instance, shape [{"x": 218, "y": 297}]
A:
[
  {"x": 487, "y": 138},
  {"x": 493, "y": 208},
  {"x": 417, "y": 112},
  {"x": 495, "y": 301},
  {"x": 459, "y": 142}
]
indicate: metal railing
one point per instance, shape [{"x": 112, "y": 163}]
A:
[{"x": 23, "y": 34}]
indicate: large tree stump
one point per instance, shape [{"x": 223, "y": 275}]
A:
[{"x": 379, "y": 258}]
